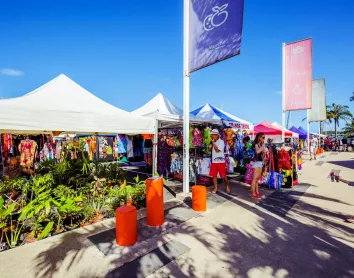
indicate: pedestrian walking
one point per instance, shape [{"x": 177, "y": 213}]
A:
[
  {"x": 218, "y": 164},
  {"x": 313, "y": 147},
  {"x": 257, "y": 164}
]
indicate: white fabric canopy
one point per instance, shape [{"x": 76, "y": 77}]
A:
[
  {"x": 162, "y": 109},
  {"x": 295, "y": 135},
  {"x": 63, "y": 105}
]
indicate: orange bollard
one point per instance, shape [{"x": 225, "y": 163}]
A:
[
  {"x": 154, "y": 202},
  {"x": 126, "y": 226},
  {"x": 199, "y": 198}
]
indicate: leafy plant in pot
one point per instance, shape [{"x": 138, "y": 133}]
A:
[
  {"x": 87, "y": 212},
  {"x": 69, "y": 210},
  {"x": 38, "y": 211},
  {"x": 5, "y": 218},
  {"x": 98, "y": 207}
]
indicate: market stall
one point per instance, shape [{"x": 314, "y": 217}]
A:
[{"x": 63, "y": 106}]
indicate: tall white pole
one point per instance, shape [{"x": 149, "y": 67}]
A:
[
  {"x": 308, "y": 137},
  {"x": 186, "y": 97},
  {"x": 283, "y": 97},
  {"x": 154, "y": 149}
]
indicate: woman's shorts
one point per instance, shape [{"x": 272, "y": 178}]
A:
[{"x": 257, "y": 164}]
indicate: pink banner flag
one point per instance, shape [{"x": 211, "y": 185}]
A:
[{"x": 298, "y": 75}]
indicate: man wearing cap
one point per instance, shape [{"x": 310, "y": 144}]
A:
[{"x": 218, "y": 164}]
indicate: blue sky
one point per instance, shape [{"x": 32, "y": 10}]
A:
[{"x": 126, "y": 52}]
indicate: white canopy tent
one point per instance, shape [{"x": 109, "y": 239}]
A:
[
  {"x": 163, "y": 110},
  {"x": 165, "y": 114},
  {"x": 63, "y": 105}
]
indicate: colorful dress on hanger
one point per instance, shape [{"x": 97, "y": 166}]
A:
[
  {"x": 121, "y": 144},
  {"x": 239, "y": 148},
  {"x": 27, "y": 149},
  {"x": 46, "y": 153},
  {"x": 197, "y": 138},
  {"x": 229, "y": 137}
]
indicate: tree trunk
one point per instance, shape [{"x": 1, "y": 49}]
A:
[{"x": 335, "y": 128}]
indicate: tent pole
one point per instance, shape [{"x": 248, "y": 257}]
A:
[
  {"x": 154, "y": 149},
  {"x": 283, "y": 96},
  {"x": 186, "y": 97}
]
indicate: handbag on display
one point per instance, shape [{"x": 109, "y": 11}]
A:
[{"x": 274, "y": 180}]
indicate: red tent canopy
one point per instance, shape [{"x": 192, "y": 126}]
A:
[{"x": 269, "y": 129}]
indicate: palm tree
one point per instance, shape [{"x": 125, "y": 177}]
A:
[
  {"x": 349, "y": 128},
  {"x": 352, "y": 97},
  {"x": 338, "y": 112}
]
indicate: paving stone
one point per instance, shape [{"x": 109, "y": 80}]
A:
[{"x": 151, "y": 262}]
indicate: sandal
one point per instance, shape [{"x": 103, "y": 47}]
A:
[
  {"x": 255, "y": 197},
  {"x": 228, "y": 191},
  {"x": 214, "y": 191},
  {"x": 350, "y": 220}
]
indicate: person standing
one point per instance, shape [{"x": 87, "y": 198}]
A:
[
  {"x": 218, "y": 164},
  {"x": 257, "y": 163},
  {"x": 313, "y": 147}
]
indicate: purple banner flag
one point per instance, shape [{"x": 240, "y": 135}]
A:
[{"x": 215, "y": 31}]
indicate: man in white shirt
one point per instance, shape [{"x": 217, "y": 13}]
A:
[
  {"x": 313, "y": 146},
  {"x": 218, "y": 165}
]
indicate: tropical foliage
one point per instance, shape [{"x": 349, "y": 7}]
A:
[
  {"x": 63, "y": 196},
  {"x": 349, "y": 128},
  {"x": 337, "y": 112}
]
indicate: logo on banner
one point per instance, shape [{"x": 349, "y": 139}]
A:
[
  {"x": 217, "y": 18},
  {"x": 297, "y": 50},
  {"x": 298, "y": 90}
]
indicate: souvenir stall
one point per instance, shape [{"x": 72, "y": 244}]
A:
[
  {"x": 302, "y": 136},
  {"x": 280, "y": 167},
  {"x": 272, "y": 132},
  {"x": 234, "y": 129},
  {"x": 63, "y": 106},
  {"x": 166, "y": 115}
]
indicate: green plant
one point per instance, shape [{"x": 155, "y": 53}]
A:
[
  {"x": 4, "y": 216},
  {"x": 338, "y": 112},
  {"x": 68, "y": 208},
  {"x": 63, "y": 191}
]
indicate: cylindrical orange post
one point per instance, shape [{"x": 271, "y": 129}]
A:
[
  {"x": 199, "y": 198},
  {"x": 126, "y": 226},
  {"x": 154, "y": 202}
]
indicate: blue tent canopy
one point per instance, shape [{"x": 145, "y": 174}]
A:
[
  {"x": 304, "y": 131},
  {"x": 302, "y": 135}
]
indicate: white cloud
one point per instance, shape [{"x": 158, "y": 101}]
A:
[{"x": 11, "y": 72}]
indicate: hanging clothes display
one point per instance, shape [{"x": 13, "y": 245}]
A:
[
  {"x": 239, "y": 148},
  {"x": 130, "y": 150},
  {"x": 27, "y": 149},
  {"x": 121, "y": 146},
  {"x": 46, "y": 152},
  {"x": 197, "y": 138}
]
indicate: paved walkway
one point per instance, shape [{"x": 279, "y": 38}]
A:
[{"x": 296, "y": 233}]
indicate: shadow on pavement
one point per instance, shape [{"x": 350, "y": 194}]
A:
[
  {"x": 346, "y": 163},
  {"x": 309, "y": 242}
]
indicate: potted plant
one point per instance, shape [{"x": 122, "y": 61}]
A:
[
  {"x": 97, "y": 206},
  {"x": 5, "y": 215},
  {"x": 69, "y": 210},
  {"x": 87, "y": 213}
]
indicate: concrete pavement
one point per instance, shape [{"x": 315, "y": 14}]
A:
[{"x": 237, "y": 238}]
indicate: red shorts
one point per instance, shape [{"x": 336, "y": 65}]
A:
[{"x": 216, "y": 168}]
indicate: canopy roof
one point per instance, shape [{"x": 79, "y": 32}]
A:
[
  {"x": 63, "y": 105},
  {"x": 161, "y": 108},
  {"x": 212, "y": 114},
  {"x": 302, "y": 135},
  {"x": 268, "y": 129},
  {"x": 304, "y": 131},
  {"x": 294, "y": 134}
]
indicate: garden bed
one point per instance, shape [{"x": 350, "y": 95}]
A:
[{"x": 62, "y": 197}]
